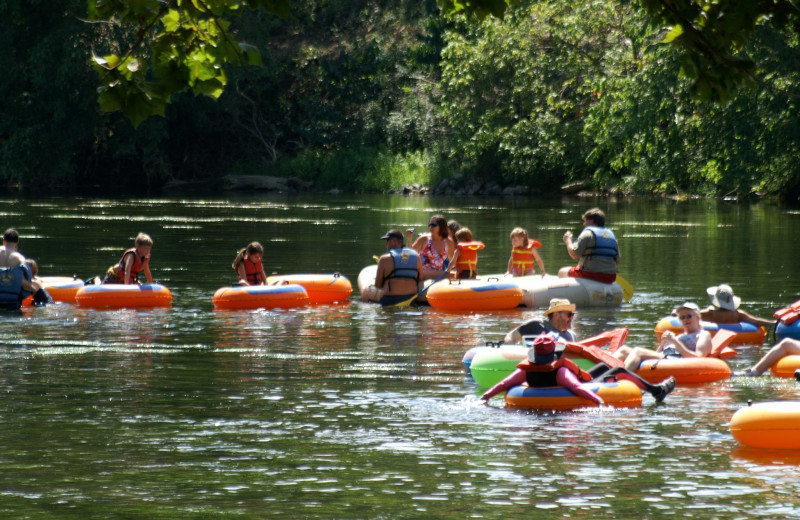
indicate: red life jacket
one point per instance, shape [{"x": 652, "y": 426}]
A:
[
  {"x": 522, "y": 259},
  {"x": 468, "y": 257},
  {"x": 254, "y": 271},
  {"x": 541, "y": 375},
  {"x": 137, "y": 267},
  {"x": 790, "y": 314}
]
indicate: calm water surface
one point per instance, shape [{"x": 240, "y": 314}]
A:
[{"x": 351, "y": 411}]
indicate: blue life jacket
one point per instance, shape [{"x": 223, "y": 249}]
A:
[
  {"x": 11, "y": 293},
  {"x": 605, "y": 243},
  {"x": 405, "y": 264}
]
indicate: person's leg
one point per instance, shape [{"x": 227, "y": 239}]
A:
[
  {"x": 786, "y": 347},
  {"x": 598, "y": 371},
  {"x": 639, "y": 354},
  {"x": 601, "y": 372},
  {"x": 622, "y": 352},
  {"x": 624, "y": 373}
]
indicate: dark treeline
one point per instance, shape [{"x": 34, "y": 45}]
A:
[{"x": 358, "y": 95}]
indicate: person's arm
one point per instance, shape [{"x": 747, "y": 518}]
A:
[
  {"x": 510, "y": 264},
  {"x": 517, "y": 377},
  {"x": 27, "y": 278},
  {"x": 419, "y": 243},
  {"x": 410, "y": 235},
  {"x": 126, "y": 279},
  {"x": 452, "y": 266},
  {"x": 242, "y": 274},
  {"x": 513, "y": 337},
  {"x": 570, "y": 245},
  {"x": 566, "y": 378},
  {"x": 704, "y": 345},
  {"x": 383, "y": 269},
  {"x": 758, "y": 322},
  {"x": 146, "y": 269},
  {"x": 538, "y": 258},
  {"x": 703, "y": 348},
  {"x": 147, "y": 274},
  {"x": 450, "y": 249}
]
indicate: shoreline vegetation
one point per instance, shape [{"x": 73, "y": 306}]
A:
[
  {"x": 358, "y": 97},
  {"x": 449, "y": 187}
]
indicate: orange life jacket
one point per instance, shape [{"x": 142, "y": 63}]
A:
[
  {"x": 790, "y": 314},
  {"x": 254, "y": 271},
  {"x": 523, "y": 259},
  {"x": 468, "y": 257},
  {"x": 544, "y": 374},
  {"x": 137, "y": 267}
]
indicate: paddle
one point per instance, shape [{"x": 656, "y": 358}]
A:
[
  {"x": 627, "y": 289},
  {"x": 406, "y": 303}
]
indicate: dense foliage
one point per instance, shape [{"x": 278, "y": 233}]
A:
[{"x": 358, "y": 95}]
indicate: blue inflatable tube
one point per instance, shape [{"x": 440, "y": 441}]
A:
[{"x": 788, "y": 331}]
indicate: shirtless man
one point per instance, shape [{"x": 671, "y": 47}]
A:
[
  {"x": 10, "y": 257},
  {"x": 724, "y": 309}
]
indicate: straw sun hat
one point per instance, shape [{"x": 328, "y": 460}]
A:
[{"x": 558, "y": 305}]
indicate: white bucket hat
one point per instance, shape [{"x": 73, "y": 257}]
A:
[{"x": 722, "y": 296}]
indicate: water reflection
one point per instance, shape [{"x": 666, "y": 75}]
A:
[{"x": 355, "y": 411}]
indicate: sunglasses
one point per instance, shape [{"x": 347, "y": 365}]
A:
[
  {"x": 433, "y": 224},
  {"x": 685, "y": 316},
  {"x": 569, "y": 314}
]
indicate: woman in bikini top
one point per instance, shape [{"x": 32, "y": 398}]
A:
[{"x": 435, "y": 249}]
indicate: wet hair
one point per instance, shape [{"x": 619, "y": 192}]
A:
[
  {"x": 11, "y": 236},
  {"x": 33, "y": 266},
  {"x": 143, "y": 239},
  {"x": 441, "y": 222},
  {"x": 519, "y": 232},
  {"x": 453, "y": 226},
  {"x": 597, "y": 216},
  {"x": 464, "y": 235},
  {"x": 252, "y": 248}
]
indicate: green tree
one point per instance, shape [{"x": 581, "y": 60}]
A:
[
  {"x": 515, "y": 92},
  {"x": 711, "y": 37},
  {"x": 160, "y": 48},
  {"x": 649, "y": 135}
]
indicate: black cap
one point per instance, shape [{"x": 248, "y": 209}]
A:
[{"x": 394, "y": 233}]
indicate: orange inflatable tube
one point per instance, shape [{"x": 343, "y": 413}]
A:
[
  {"x": 60, "y": 288},
  {"x": 321, "y": 288},
  {"x": 785, "y": 366},
  {"x": 684, "y": 370},
  {"x": 773, "y": 424},
  {"x": 119, "y": 295},
  {"x": 746, "y": 333},
  {"x": 260, "y": 297},
  {"x": 621, "y": 394},
  {"x": 474, "y": 296}
]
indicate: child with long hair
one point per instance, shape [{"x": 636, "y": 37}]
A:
[{"x": 248, "y": 266}]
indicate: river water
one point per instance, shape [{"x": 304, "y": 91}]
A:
[{"x": 351, "y": 411}]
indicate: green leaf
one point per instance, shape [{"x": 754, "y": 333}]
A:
[
  {"x": 171, "y": 21},
  {"x": 250, "y": 54},
  {"x": 674, "y": 33}
]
